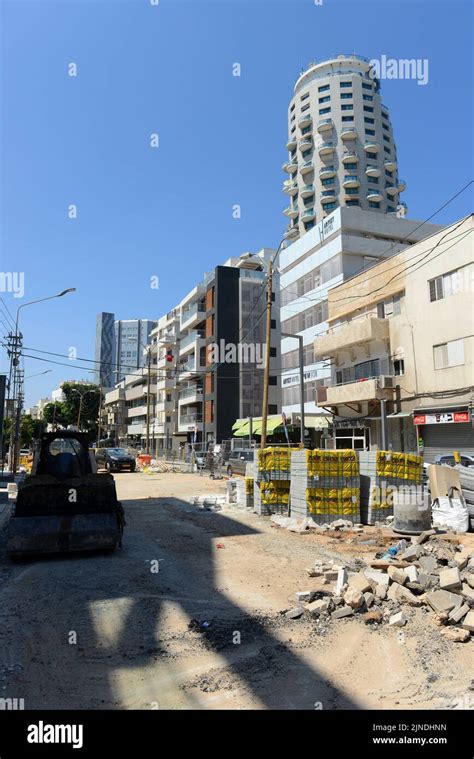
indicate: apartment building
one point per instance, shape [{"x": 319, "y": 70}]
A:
[
  {"x": 341, "y": 147},
  {"x": 345, "y": 243},
  {"x": 105, "y": 349},
  {"x": 400, "y": 344},
  {"x": 131, "y": 335},
  {"x": 221, "y": 349},
  {"x": 164, "y": 344}
]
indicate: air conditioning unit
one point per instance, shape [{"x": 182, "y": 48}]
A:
[{"x": 386, "y": 383}]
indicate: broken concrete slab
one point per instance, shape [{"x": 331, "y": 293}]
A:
[
  {"x": 369, "y": 599},
  {"x": 353, "y": 598},
  {"x": 456, "y": 634},
  {"x": 427, "y": 564},
  {"x": 376, "y": 577},
  {"x": 360, "y": 582},
  {"x": 304, "y": 595},
  {"x": 468, "y": 623},
  {"x": 397, "y": 575},
  {"x": 450, "y": 579},
  {"x": 467, "y": 591},
  {"x": 318, "y": 607},
  {"x": 426, "y": 535},
  {"x": 386, "y": 563},
  {"x": 398, "y": 593},
  {"x": 331, "y": 575},
  {"x": 412, "y": 553},
  {"x": 344, "y": 611},
  {"x": 458, "y": 613},
  {"x": 443, "y": 600},
  {"x": 294, "y": 613},
  {"x": 341, "y": 581},
  {"x": 381, "y": 592},
  {"x": 411, "y": 573},
  {"x": 398, "y": 620}
]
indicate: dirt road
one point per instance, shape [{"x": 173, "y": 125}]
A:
[{"x": 111, "y": 632}]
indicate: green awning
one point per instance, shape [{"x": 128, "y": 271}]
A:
[
  {"x": 238, "y": 424},
  {"x": 242, "y": 430},
  {"x": 272, "y": 424}
]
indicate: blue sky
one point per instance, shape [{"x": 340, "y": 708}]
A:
[{"x": 167, "y": 212}]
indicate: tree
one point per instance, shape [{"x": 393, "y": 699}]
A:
[{"x": 30, "y": 429}]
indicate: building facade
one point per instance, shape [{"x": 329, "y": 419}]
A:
[
  {"x": 131, "y": 336},
  {"x": 400, "y": 345},
  {"x": 342, "y": 245},
  {"x": 341, "y": 147},
  {"x": 105, "y": 349}
]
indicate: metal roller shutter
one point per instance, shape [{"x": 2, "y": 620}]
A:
[{"x": 445, "y": 438}]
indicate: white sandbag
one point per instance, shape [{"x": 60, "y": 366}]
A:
[{"x": 450, "y": 513}]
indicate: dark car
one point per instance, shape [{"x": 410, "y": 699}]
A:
[
  {"x": 114, "y": 460},
  {"x": 238, "y": 461}
]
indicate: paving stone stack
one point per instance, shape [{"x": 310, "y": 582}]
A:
[
  {"x": 245, "y": 492},
  {"x": 380, "y": 473},
  {"x": 325, "y": 485},
  {"x": 272, "y": 480}
]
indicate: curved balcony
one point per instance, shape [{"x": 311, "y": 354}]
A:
[
  {"x": 324, "y": 125},
  {"x": 328, "y": 196},
  {"x": 349, "y": 156},
  {"x": 307, "y": 190},
  {"x": 390, "y": 164},
  {"x": 308, "y": 214},
  {"x": 374, "y": 195},
  {"x": 290, "y": 166},
  {"x": 372, "y": 171},
  {"x": 401, "y": 185},
  {"x": 291, "y": 142},
  {"x": 305, "y": 120},
  {"x": 326, "y": 172},
  {"x": 291, "y": 233},
  {"x": 290, "y": 187},
  {"x": 391, "y": 189},
  {"x": 371, "y": 147},
  {"x": 306, "y": 143},
  {"x": 349, "y": 133},
  {"x": 350, "y": 180},
  {"x": 326, "y": 148},
  {"x": 306, "y": 167},
  {"x": 291, "y": 212}
]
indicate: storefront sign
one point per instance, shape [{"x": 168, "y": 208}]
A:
[
  {"x": 450, "y": 417},
  {"x": 349, "y": 423}
]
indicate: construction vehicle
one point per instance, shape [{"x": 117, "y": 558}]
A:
[{"x": 64, "y": 505}]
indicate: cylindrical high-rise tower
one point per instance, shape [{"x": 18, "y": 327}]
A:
[{"x": 340, "y": 143}]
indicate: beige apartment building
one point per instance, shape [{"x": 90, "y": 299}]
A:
[
  {"x": 400, "y": 345},
  {"x": 341, "y": 147}
]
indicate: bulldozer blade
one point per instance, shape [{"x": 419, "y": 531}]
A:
[{"x": 62, "y": 533}]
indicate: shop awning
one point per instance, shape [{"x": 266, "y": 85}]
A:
[
  {"x": 242, "y": 430},
  {"x": 238, "y": 424},
  {"x": 399, "y": 415},
  {"x": 317, "y": 422},
  {"x": 272, "y": 424}
]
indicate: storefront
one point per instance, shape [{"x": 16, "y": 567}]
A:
[
  {"x": 351, "y": 433},
  {"x": 444, "y": 430}
]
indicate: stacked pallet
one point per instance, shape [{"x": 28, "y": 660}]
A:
[
  {"x": 272, "y": 480},
  {"x": 245, "y": 492},
  {"x": 466, "y": 478},
  {"x": 381, "y": 474},
  {"x": 325, "y": 485}
]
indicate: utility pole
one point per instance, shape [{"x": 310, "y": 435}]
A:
[
  {"x": 148, "y": 389},
  {"x": 266, "y": 375},
  {"x": 14, "y": 345}
]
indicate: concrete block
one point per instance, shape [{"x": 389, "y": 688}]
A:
[
  {"x": 318, "y": 607},
  {"x": 458, "y": 613},
  {"x": 331, "y": 575},
  {"x": 398, "y": 593},
  {"x": 467, "y": 591},
  {"x": 450, "y": 579},
  {"x": 443, "y": 600},
  {"x": 468, "y": 623},
  {"x": 398, "y": 620},
  {"x": 427, "y": 564},
  {"x": 381, "y": 592},
  {"x": 462, "y": 557},
  {"x": 360, "y": 582},
  {"x": 412, "y": 553},
  {"x": 369, "y": 599},
  {"x": 397, "y": 575},
  {"x": 295, "y": 613},
  {"x": 341, "y": 580},
  {"x": 377, "y": 578},
  {"x": 411, "y": 573},
  {"x": 304, "y": 595},
  {"x": 344, "y": 611}
]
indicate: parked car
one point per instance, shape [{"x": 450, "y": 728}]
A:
[
  {"x": 448, "y": 459},
  {"x": 238, "y": 461},
  {"x": 114, "y": 460}
]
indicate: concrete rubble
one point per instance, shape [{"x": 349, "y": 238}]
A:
[{"x": 434, "y": 572}]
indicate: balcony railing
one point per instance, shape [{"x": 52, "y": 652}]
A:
[
  {"x": 190, "y": 419},
  {"x": 188, "y": 392},
  {"x": 190, "y": 313},
  {"x": 191, "y": 338}
]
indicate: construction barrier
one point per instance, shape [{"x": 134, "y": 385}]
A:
[
  {"x": 381, "y": 474},
  {"x": 325, "y": 485},
  {"x": 272, "y": 480}
]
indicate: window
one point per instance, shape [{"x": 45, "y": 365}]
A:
[
  {"x": 391, "y": 209},
  {"x": 346, "y": 95},
  {"x": 304, "y": 97},
  {"x": 398, "y": 365},
  {"x": 386, "y": 138},
  {"x": 350, "y": 166},
  {"x": 308, "y": 201},
  {"x": 347, "y": 118},
  {"x": 370, "y": 132},
  {"x": 369, "y": 120},
  {"x": 308, "y": 225},
  {"x": 273, "y": 324},
  {"x": 347, "y": 107},
  {"x": 292, "y": 108},
  {"x": 364, "y": 370},
  {"x": 448, "y": 354},
  {"x": 352, "y": 203},
  {"x": 385, "y": 116},
  {"x": 325, "y": 99},
  {"x": 386, "y": 150},
  {"x": 367, "y": 97},
  {"x": 330, "y": 206},
  {"x": 389, "y": 173},
  {"x": 305, "y": 107},
  {"x": 390, "y": 306},
  {"x": 326, "y": 182},
  {"x": 324, "y": 88},
  {"x": 272, "y": 409},
  {"x": 368, "y": 109},
  {"x": 373, "y": 180},
  {"x": 306, "y": 153},
  {"x": 352, "y": 191},
  {"x": 273, "y": 352},
  {"x": 444, "y": 286},
  {"x": 309, "y": 318},
  {"x": 306, "y": 129},
  {"x": 324, "y": 110},
  {"x": 366, "y": 86},
  {"x": 373, "y": 204},
  {"x": 386, "y": 127},
  {"x": 272, "y": 380},
  {"x": 345, "y": 84}
]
